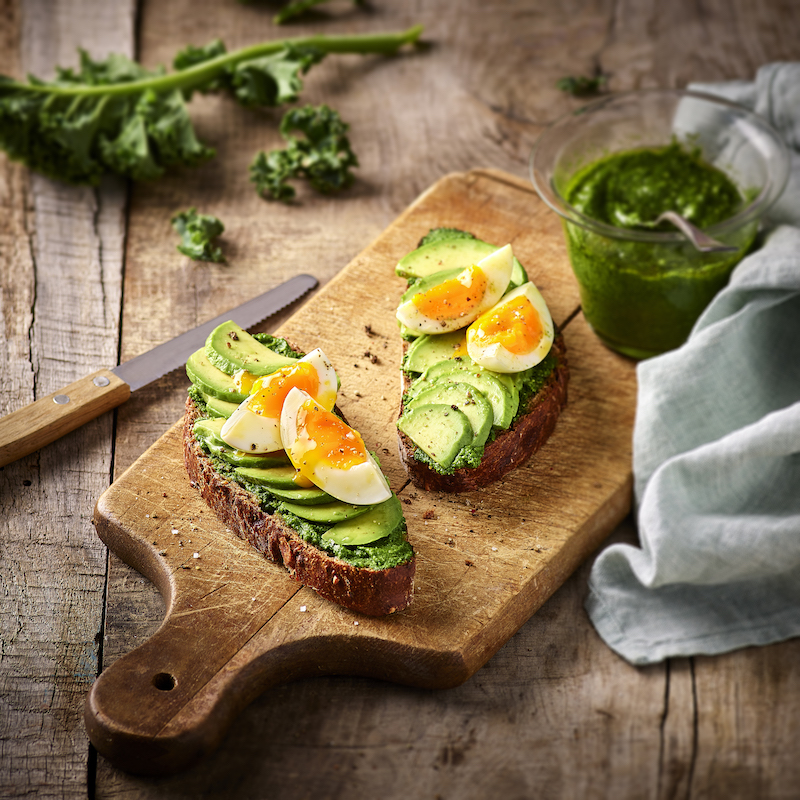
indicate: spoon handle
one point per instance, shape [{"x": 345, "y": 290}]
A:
[{"x": 702, "y": 241}]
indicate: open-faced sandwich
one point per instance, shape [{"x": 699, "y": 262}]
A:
[
  {"x": 484, "y": 369},
  {"x": 272, "y": 455}
]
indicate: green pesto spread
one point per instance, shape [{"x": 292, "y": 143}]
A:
[{"x": 642, "y": 298}]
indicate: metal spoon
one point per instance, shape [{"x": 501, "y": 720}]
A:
[{"x": 703, "y": 242}]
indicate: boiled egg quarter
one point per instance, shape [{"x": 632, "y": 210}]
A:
[
  {"x": 457, "y": 301},
  {"x": 255, "y": 425},
  {"x": 327, "y": 451},
  {"x": 515, "y": 334}
]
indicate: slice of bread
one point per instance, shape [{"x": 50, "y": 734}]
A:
[
  {"x": 530, "y": 429},
  {"x": 374, "y": 592}
]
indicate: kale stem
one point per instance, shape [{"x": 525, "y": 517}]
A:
[{"x": 200, "y": 74}]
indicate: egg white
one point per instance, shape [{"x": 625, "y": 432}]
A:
[
  {"x": 361, "y": 484},
  {"x": 496, "y": 266},
  {"x": 258, "y": 433},
  {"x": 494, "y": 355}
]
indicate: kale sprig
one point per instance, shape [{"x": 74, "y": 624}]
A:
[
  {"x": 323, "y": 156},
  {"x": 115, "y": 116},
  {"x": 297, "y": 7},
  {"x": 198, "y": 232},
  {"x": 582, "y": 86}
]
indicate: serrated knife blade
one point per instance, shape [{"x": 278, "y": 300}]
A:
[{"x": 27, "y": 429}]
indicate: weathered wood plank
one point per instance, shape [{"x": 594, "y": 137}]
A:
[{"x": 60, "y": 271}]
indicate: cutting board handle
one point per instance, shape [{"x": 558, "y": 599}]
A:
[{"x": 169, "y": 702}]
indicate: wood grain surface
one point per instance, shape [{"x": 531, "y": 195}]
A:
[
  {"x": 90, "y": 276},
  {"x": 486, "y": 559}
]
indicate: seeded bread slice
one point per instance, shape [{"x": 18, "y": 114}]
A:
[
  {"x": 369, "y": 591},
  {"x": 510, "y": 448}
]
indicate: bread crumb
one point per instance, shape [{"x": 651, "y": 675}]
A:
[{"x": 429, "y": 514}]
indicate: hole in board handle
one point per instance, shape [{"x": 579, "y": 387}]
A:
[{"x": 164, "y": 682}]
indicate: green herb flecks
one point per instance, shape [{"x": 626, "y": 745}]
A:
[
  {"x": 115, "y": 116},
  {"x": 198, "y": 232},
  {"x": 323, "y": 156},
  {"x": 582, "y": 86},
  {"x": 297, "y": 7}
]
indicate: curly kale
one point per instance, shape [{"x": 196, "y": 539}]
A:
[
  {"x": 198, "y": 232},
  {"x": 323, "y": 156},
  {"x": 115, "y": 116},
  {"x": 297, "y": 7},
  {"x": 581, "y": 86}
]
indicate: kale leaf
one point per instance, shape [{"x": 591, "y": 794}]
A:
[
  {"x": 581, "y": 86},
  {"x": 296, "y": 7},
  {"x": 198, "y": 232},
  {"x": 323, "y": 156},
  {"x": 115, "y": 116}
]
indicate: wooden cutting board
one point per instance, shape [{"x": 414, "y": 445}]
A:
[{"x": 237, "y": 624}]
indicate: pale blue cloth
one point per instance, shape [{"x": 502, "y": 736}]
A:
[{"x": 716, "y": 452}]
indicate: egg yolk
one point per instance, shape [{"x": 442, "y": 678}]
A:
[
  {"x": 461, "y": 351},
  {"x": 243, "y": 381},
  {"x": 301, "y": 482},
  {"x": 455, "y": 297},
  {"x": 514, "y": 325},
  {"x": 331, "y": 441},
  {"x": 269, "y": 393}
]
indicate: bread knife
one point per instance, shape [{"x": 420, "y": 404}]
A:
[{"x": 51, "y": 417}]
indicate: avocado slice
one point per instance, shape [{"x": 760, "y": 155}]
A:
[
  {"x": 219, "y": 408},
  {"x": 504, "y": 396},
  {"x": 380, "y": 521},
  {"x": 303, "y": 497},
  {"x": 210, "y": 380},
  {"x": 465, "y": 398},
  {"x": 452, "y": 253},
  {"x": 279, "y": 477},
  {"x": 429, "y": 349},
  {"x": 231, "y": 348},
  {"x": 441, "y": 431},
  {"x": 336, "y": 511}
]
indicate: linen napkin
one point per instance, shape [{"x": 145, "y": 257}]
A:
[{"x": 716, "y": 451}]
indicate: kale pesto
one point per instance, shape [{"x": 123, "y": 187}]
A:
[{"x": 640, "y": 296}]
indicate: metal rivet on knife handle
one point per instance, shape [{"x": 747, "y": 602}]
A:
[{"x": 55, "y": 415}]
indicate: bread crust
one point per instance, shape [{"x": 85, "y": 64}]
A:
[
  {"x": 368, "y": 591},
  {"x": 510, "y": 448}
]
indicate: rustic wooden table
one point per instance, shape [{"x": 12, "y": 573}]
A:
[{"x": 90, "y": 277}]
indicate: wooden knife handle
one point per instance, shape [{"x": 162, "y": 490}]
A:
[{"x": 51, "y": 417}]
